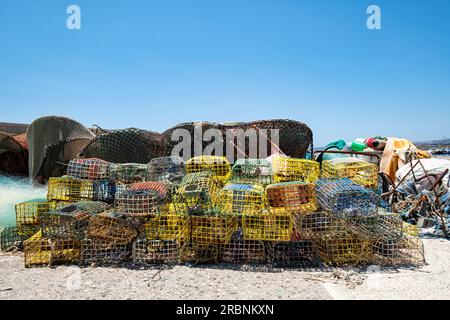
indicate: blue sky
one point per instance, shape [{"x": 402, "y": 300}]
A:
[{"x": 152, "y": 64}]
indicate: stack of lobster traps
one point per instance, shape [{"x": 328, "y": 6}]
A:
[{"x": 285, "y": 213}]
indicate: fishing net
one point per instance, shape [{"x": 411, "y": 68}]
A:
[
  {"x": 357, "y": 170},
  {"x": 155, "y": 252},
  {"x": 290, "y": 169},
  {"x": 88, "y": 169},
  {"x": 168, "y": 169},
  {"x": 243, "y": 252},
  {"x": 237, "y": 198},
  {"x": 267, "y": 226},
  {"x": 253, "y": 171},
  {"x": 52, "y": 142},
  {"x": 295, "y": 197},
  {"x": 213, "y": 229},
  {"x": 125, "y": 146}
]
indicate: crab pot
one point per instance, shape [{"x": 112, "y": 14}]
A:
[
  {"x": 290, "y": 169},
  {"x": 155, "y": 252},
  {"x": 389, "y": 250},
  {"x": 127, "y": 173},
  {"x": 69, "y": 189},
  {"x": 71, "y": 221},
  {"x": 199, "y": 253},
  {"x": 219, "y": 166},
  {"x": 357, "y": 170},
  {"x": 40, "y": 251},
  {"x": 239, "y": 199},
  {"x": 307, "y": 226},
  {"x": 196, "y": 193},
  {"x": 252, "y": 171},
  {"x": 168, "y": 227},
  {"x": 267, "y": 227},
  {"x": 139, "y": 203},
  {"x": 112, "y": 227},
  {"x": 96, "y": 251},
  {"x": 342, "y": 247},
  {"x": 243, "y": 252},
  {"x": 295, "y": 197},
  {"x": 107, "y": 191},
  {"x": 10, "y": 237},
  {"x": 161, "y": 187},
  {"x": 301, "y": 253},
  {"x": 168, "y": 169},
  {"x": 88, "y": 169},
  {"x": 213, "y": 229},
  {"x": 28, "y": 215},
  {"x": 344, "y": 197}
]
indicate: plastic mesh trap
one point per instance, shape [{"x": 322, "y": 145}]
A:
[
  {"x": 213, "y": 229},
  {"x": 197, "y": 192},
  {"x": 343, "y": 197},
  {"x": 28, "y": 214},
  {"x": 199, "y": 253},
  {"x": 10, "y": 237},
  {"x": 42, "y": 251},
  {"x": 253, "y": 171},
  {"x": 129, "y": 172},
  {"x": 295, "y": 197},
  {"x": 290, "y": 169},
  {"x": 267, "y": 226},
  {"x": 69, "y": 189},
  {"x": 71, "y": 221},
  {"x": 169, "y": 169},
  {"x": 237, "y": 198},
  {"x": 112, "y": 227},
  {"x": 301, "y": 253},
  {"x": 219, "y": 166},
  {"x": 88, "y": 169},
  {"x": 243, "y": 252},
  {"x": 357, "y": 170},
  {"x": 168, "y": 227},
  {"x": 139, "y": 202},
  {"x": 155, "y": 251},
  {"x": 96, "y": 251}
]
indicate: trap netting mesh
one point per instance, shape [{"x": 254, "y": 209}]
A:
[
  {"x": 168, "y": 169},
  {"x": 70, "y": 221},
  {"x": 253, "y": 171},
  {"x": 54, "y": 140},
  {"x": 295, "y": 197},
  {"x": 88, "y": 169},
  {"x": 344, "y": 197},
  {"x": 125, "y": 146},
  {"x": 357, "y": 170},
  {"x": 290, "y": 169},
  {"x": 238, "y": 198}
]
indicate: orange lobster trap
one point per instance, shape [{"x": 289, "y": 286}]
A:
[{"x": 295, "y": 197}]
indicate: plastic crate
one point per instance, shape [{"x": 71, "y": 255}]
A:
[
  {"x": 252, "y": 171},
  {"x": 267, "y": 226},
  {"x": 112, "y": 227},
  {"x": 237, "y": 198},
  {"x": 213, "y": 229},
  {"x": 89, "y": 169},
  {"x": 28, "y": 215},
  {"x": 168, "y": 227},
  {"x": 139, "y": 203},
  {"x": 244, "y": 252},
  {"x": 168, "y": 169},
  {"x": 291, "y": 169},
  {"x": 357, "y": 170},
  {"x": 102, "y": 252},
  {"x": 344, "y": 197},
  {"x": 155, "y": 252},
  {"x": 129, "y": 172},
  {"x": 295, "y": 197},
  {"x": 70, "y": 221},
  {"x": 219, "y": 166},
  {"x": 69, "y": 189}
]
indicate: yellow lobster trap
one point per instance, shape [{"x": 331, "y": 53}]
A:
[
  {"x": 199, "y": 253},
  {"x": 40, "y": 251},
  {"x": 155, "y": 251},
  {"x": 357, "y": 170},
  {"x": 28, "y": 215},
  {"x": 295, "y": 197},
  {"x": 240, "y": 199},
  {"x": 253, "y": 171},
  {"x": 219, "y": 166},
  {"x": 213, "y": 229},
  {"x": 168, "y": 227},
  {"x": 267, "y": 226},
  {"x": 291, "y": 169},
  {"x": 69, "y": 189}
]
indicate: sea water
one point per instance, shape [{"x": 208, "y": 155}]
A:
[{"x": 14, "y": 190}]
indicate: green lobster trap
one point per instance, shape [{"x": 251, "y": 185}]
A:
[
  {"x": 267, "y": 226},
  {"x": 291, "y": 169},
  {"x": 252, "y": 171},
  {"x": 199, "y": 253},
  {"x": 357, "y": 170},
  {"x": 295, "y": 197},
  {"x": 243, "y": 252},
  {"x": 168, "y": 169},
  {"x": 216, "y": 229},
  {"x": 88, "y": 169},
  {"x": 129, "y": 172},
  {"x": 219, "y": 166},
  {"x": 300, "y": 253},
  {"x": 155, "y": 252},
  {"x": 239, "y": 199},
  {"x": 10, "y": 238}
]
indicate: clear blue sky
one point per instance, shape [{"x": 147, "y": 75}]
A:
[{"x": 151, "y": 64}]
